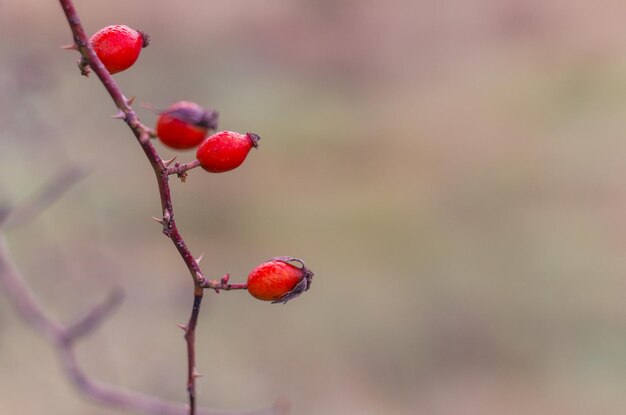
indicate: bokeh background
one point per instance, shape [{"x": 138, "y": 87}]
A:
[{"x": 454, "y": 173}]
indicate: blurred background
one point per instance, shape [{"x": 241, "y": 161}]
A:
[{"x": 452, "y": 172}]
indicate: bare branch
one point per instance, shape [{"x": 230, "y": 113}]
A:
[
  {"x": 41, "y": 200},
  {"x": 90, "y": 321},
  {"x": 22, "y": 299}
]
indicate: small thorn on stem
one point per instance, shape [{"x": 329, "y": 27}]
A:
[
  {"x": 167, "y": 163},
  {"x": 70, "y": 47},
  {"x": 158, "y": 220},
  {"x": 183, "y": 327},
  {"x": 197, "y": 375},
  {"x": 199, "y": 258},
  {"x": 224, "y": 279},
  {"x": 119, "y": 116}
]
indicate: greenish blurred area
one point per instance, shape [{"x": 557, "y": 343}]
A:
[{"x": 455, "y": 175}]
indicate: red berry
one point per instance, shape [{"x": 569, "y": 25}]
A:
[
  {"x": 225, "y": 150},
  {"x": 118, "y": 46},
  {"x": 278, "y": 280},
  {"x": 183, "y": 125}
]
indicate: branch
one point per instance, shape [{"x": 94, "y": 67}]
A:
[
  {"x": 161, "y": 171},
  {"x": 181, "y": 169},
  {"x": 223, "y": 284},
  {"x": 90, "y": 321},
  {"x": 41, "y": 200}
]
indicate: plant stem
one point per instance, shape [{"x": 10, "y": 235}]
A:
[{"x": 142, "y": 133}]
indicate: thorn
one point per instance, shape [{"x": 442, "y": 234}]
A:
[
  {"x": 158, "y": 220},
  {"x": 168, "y": 162},
  {"x": 70, "y": 47},
  {"x": 183, "y": 327},
  {"x": 197, "y": 375},
  {"x": 131, "y": 100},
  {"x": 199, "y": 259},
  {"x": 225, "y": 278},
  {"x": 119, "y": 115}
]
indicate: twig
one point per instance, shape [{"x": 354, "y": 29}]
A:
[
  {"x": 182, "y": 168},
  {"x": 190, "y": 334},
  {"x": 161, "y": 171},
  {"x": 223, "y": 284},
  {"x": 90, "y": 321},
  {"x": 41, "y": 200}
]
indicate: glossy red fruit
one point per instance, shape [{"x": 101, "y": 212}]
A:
[
  {"x": 183, "y": 125},
  {"x": 278, "y": 280},
  {"x": 225, "y": 150},
  {"x": 118, "y": 46}
]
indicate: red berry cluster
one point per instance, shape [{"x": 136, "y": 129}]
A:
[{"x": 185, "y": 125}]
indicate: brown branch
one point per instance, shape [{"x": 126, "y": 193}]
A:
[
  {"x": 190, "y": 337},
  {"x": 181, "y": 169},
  {"x": 142, "y": 134},
  {"x": 161, "y": 171},
  {"x": 223, "y": 284}
]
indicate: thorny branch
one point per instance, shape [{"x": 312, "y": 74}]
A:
[
  {"x": 63, "y": 337},
  {"x": 161, "y": 171}
]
